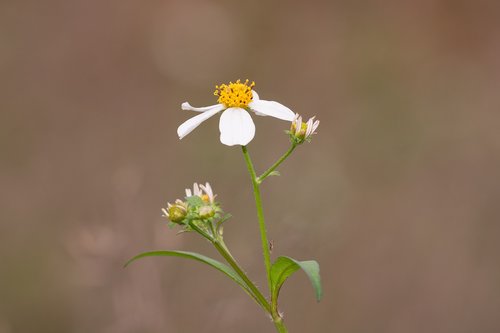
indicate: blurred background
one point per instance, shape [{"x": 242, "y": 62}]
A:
[{"x": 397, "y": 196}]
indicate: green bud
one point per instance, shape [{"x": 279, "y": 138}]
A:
[
  {"x": 206, "y": 212},
  {"x": 176, "y": 212},
  {"x": 299, "y": 133}
]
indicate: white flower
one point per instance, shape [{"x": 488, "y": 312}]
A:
[
  {"x": 205, "y": 192},
  {"x": 301, "y": 131},
  {"x": 235, "y": 125},
  {"x": 208, "y": 192}
]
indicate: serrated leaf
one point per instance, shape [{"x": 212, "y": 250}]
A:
[
  {"x": 283, "y": 267},
  {"x": 198, "y": 257}
]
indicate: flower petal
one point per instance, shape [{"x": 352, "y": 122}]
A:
[
  {"x": 236, "y": 127},
  {"x": 188, "y": 107},
  {"x": 271, "y": 108},
  {"x": 189, "y": 125},
  {"x": 255, "y": 96}
]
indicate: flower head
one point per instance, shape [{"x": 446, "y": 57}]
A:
[
  {"x": 236, "y": 126},
  {"x": 205, "y": 192},
  {"x": 209, "y": 196},
  {"x": 176, "y": 212},
  {"x": 206, "y": 212},
  {"x": 302, "y": 131}
]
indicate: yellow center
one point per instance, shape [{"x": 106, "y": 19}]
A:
[
  {"x": 302, "y": 131},
  {"x": 237, "y": 94}
]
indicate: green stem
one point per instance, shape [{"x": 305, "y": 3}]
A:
[
  {"x": 221, "y": 247},
  {"x": 275, "y": 165},
  {"x": 260, "y": 216},
  {"x": 224, "y": 251},
  {"x": 278, "y": 321},
  {"x": 280, "y": 326}
]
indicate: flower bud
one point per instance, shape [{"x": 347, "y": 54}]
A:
[
  {"x": 206, "y": 212},
  {"x": 205, "y": 192},
  {"x": 302, "y": 131},
  {"x": 176, "y": 212},
  {"x": 299, "y": 133}
]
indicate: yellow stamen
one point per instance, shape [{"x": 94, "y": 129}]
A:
[
  {"x": 301, "y": 132},
  {"x": 235, "y": 94},
  {"x": 205, "y": 198}
]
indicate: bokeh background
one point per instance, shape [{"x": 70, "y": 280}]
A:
[{"x": 397, "y": 196}]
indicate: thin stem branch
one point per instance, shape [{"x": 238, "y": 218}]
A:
[
  {"x": 224, "y": 251},
  {"x": 275, "y": 165}
]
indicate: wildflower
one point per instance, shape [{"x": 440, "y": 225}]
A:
[
  {"x": 300, "y": 131},
  {"x": 176, "y": 212},
  {"x": 205, "y": 192},
  {"x": 209, "y": 195},
  {"x": 236, "y": 126}
]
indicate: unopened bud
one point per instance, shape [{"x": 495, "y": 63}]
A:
[
  {"x": 176, "y": 212},
  {"x": 299, "y": 133},
  {"x": 206, "y": 212},
  {"x": 302, "y": 131}
]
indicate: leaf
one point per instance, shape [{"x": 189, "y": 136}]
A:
[
  {"x": 283, "y": 267},
  {"x": 198, "y": 257},
  {"x": 223, "y": 219}
]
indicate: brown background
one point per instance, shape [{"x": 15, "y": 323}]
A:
[{"x": 397, "y": 196}]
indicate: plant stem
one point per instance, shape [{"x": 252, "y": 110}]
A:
[
  {"x": 275, "y": 165},
  {"x": 280, "y": 326},
  {"x": 224, "y": 251},
  {"x": 260, "y": 216},
  {"x": 278, "y": 321},
  {"x": 221, "y": 247}
]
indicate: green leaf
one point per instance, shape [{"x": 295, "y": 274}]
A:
[
  {"x": 283, "y": 267},
  {"x": 223, "y": 219},
  {"x": 198, "y": 257}
]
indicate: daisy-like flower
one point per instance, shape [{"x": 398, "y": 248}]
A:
[
  {"x": 209, "y": 195},
  {"x": 236, "y": 126},
  {"x": 205, "y": 192},
  {"x": 302, "y": 131}
]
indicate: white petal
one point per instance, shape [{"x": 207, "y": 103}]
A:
[
  {"x": 271, "y": 108},
  {"x": 186, "y": 106},
  {"x": 315, "y": 126},
  {"x": 208, "y": 191},
  {"x": 196, "y": 190},
  {"x": 236, "y": 127},
  {"x": 255, "y": 96},
  {"x": 309, "y": 127},
  {"x": 190, "y": 124},
  {"x": 298, "y": 125}
]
